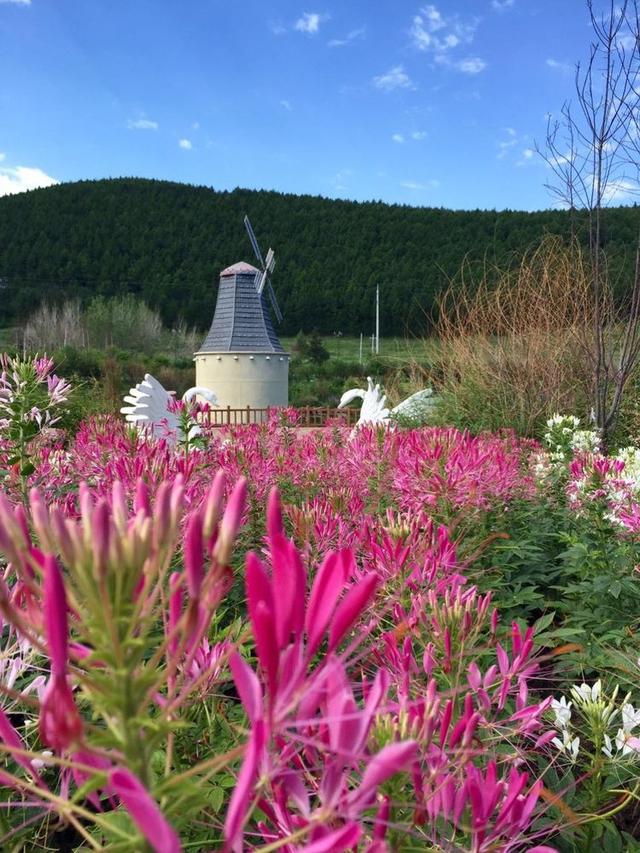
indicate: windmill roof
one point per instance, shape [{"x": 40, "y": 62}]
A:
[
  {"x": 241, "y": 322},
  {"x": 239, "y": 269}
]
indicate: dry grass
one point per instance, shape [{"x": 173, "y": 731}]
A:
[{"x": 517, "y": 345}]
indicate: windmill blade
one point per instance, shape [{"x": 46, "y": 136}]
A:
[
  {"x": 261, "y": 279},
  {"x": 274, "y": 303},
  {"x": 270, "y": 260},
  {"x": 254, "y": 242}
]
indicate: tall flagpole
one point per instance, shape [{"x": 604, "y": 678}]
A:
[{"x": 377, "y": 319}]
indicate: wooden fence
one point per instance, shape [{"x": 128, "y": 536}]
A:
[{"x": 308, "y": 416}]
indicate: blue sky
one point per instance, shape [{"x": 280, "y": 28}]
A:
[{"x": 408, "y": 102}]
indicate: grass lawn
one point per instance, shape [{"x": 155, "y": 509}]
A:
[{"x": 348, "y": 348}]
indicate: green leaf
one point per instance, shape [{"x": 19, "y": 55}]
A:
[
  {"x": 216, "y": 797},
  {"x": 544, "y": 621}
]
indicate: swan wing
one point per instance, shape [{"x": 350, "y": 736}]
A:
[
  {"x": 416, "y": 404},
  {"x": 374, "y": 410},
  {"x": 148, "y": 407}
]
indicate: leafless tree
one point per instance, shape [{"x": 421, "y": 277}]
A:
[
  {"x": 593, "y": 150},
  {"x": 52, "y": 326}
]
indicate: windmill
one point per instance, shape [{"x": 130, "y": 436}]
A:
[
  {"x": 267, "y": 266},
  {"x": 241, "y": 357}
]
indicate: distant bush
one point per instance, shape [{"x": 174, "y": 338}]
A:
[
  {"x": 517, "y": 351},
  {"x": 122, "y": 323},
  {"x": 310, "y": 347}
]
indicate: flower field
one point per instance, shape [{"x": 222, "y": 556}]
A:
[{"x": 266, "y": 640}]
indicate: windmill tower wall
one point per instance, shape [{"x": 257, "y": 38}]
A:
[{"x": 241, "y": 360}]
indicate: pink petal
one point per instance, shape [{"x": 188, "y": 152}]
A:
[
  {"x": 257, "y": 584},
  {"x": 275, "y": 526},
  {"x": 175, "y": 610},
  {"x": 243, "y": 791},
  {"x": 144, "y": 811},
  {"x": 100, "y": 530},
  {"x": 384, "y": 764},
  {"x": 289, "y": 579},
  {"x": 194, "y": 555},
  {"x": 327, "y": 586},
  {"x": 213, "y": 505},
  {"x": 337, "y": 841},
  {"x": 141, "y": 501},
  {"x": 266, "y": 645},
  {"x": 231, "y": 521},
  {"x": 351, "y": 607},
  {"x": 55, "y": 615},
  {"x": 248, "y": 687},
  {"x": 11, "y": 737}
]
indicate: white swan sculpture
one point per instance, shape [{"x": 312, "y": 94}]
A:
[
  {"x": 149, "y": 408},
  {"x": 374, "y": 410}
]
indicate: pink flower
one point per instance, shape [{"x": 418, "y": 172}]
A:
[
  {"x": 231, "y": 521},
  {"x": 60, "y": 722}
]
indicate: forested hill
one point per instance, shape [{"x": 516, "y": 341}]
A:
[{"x": 167, "y": 243}]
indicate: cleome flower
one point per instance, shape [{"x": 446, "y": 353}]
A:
[
  {"x": 569, "y": 745},
  {"x": 562, "y": 711},
  {"x": 586, "y": 694}
]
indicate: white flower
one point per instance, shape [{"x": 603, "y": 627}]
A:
[
  {"x": 585, "y": 441},
  {"x": 562, "y": 710},
  {"x": 630, "y": 717},
  {"x": 568, "y": 744},
  {"x": 608, "y": 746},
  {"x": 622, "y": 744},
  {"x": 586, "y": 694}
]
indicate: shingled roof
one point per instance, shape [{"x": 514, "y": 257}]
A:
[{"x": 241, "y": 322}]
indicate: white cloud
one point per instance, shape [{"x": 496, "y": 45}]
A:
[
  {"x": 440, "y": 35},
  {"x": 526, "y": 157},
  {"x": 398, "y": 137},
  {"x": 142, "y": 124},
  {"x": 418, "y": 186},
  {"x": 419, "y": 134},
  {"x": 431, "y": 31},
  {"x": 354, "y": 35},
  {"x": 501, "y": 5},
  {"x": 185, "y": 144},
  {"x": 395, "y": 78},
  {"x": 195, "y": 125},
  {"x": 471, "y": 65},
  {"x": 2, "y": 156},
  {"x": 17, "y": 2},
  {"x": 516, "y": 147},
  {"x": 18, "y": 179},
  {"x": 510, "y": 142},
  {"x": 309, "y": 22},
  {"x": 565, "y": 67},
  {"x": 286, "y": 105},
  {"x": 620, "y": 190},
  {"x": 341, "y": 179},
  {"x": 277, "y": 28}
]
